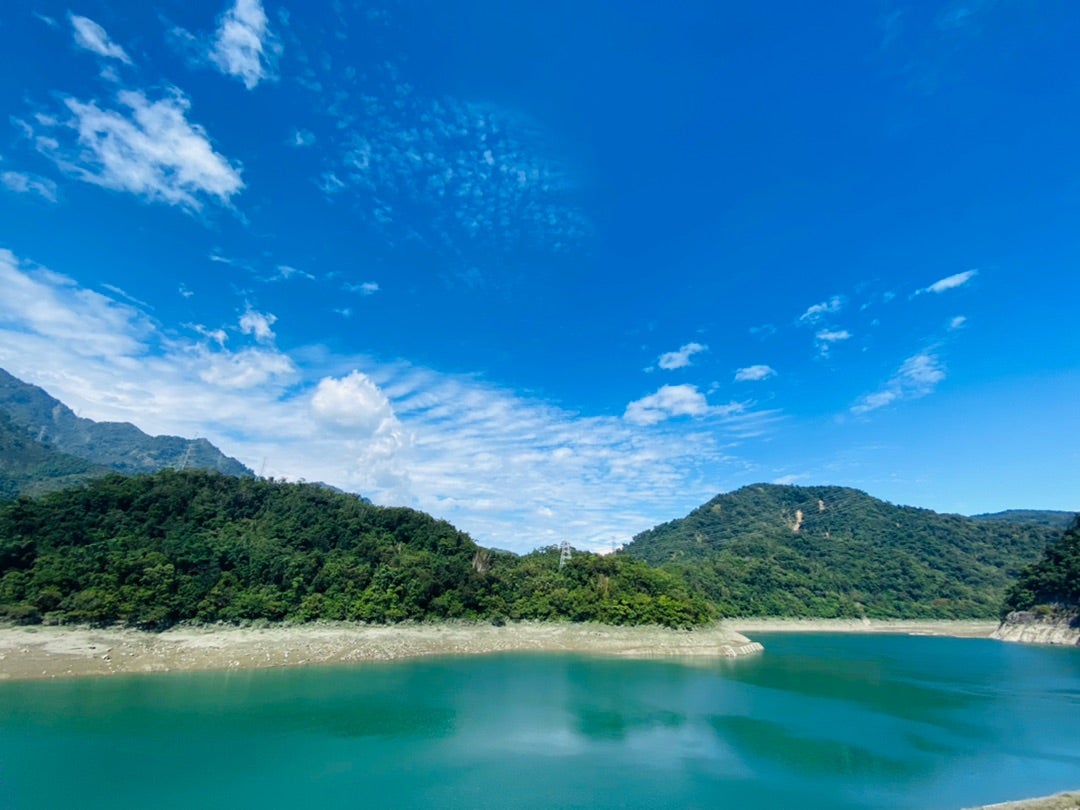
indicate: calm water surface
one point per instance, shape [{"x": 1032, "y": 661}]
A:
[{"x": 818, "y": 721}]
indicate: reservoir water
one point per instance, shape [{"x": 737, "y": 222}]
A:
[{"x": 817, "y": 721}]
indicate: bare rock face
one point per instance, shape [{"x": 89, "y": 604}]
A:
[{"x": 1031, "y": 627}]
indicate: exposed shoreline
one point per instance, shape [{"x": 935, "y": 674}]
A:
[
  {"x": 1059, "y": 801},
  {"x": 42, "y": 652},
  {"x": 953, "y": 628}
]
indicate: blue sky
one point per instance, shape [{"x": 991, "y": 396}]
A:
[{"x": 558, "y": 270}]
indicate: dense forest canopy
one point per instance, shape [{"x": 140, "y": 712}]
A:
[
  {"x": 155, "y": 550},
  {"x": 1052, "y": 583},
  {"x": 834, "y": 552}
]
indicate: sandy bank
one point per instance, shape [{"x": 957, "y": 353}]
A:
[
  {"x": 960, "y": 628},
  {"x": 59, "y": 652},
  {"x": 1060, "y": 801}
]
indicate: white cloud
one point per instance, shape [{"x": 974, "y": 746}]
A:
[
  {"x": 787, "y": 480},
  {"x": 39, "y": 303},
  {"x": 825, "y": 339},
  {"x": 92, "y": 37},
  {"x": 23, "y": 183},
  {"x": 248, "y": 368},
  {"x": 816, "y": 312},
  {"x": 680, "y": 358},
  {"x": 754, "y": 373},
  {"x": 957, "y": 322},
  {"x": 149, "y": 149},
  {"x": 244, "y": 46},
  {"x": 668, "y": 402},
  {"x": 515, "y": 472},
  {"x": 363, "y": 288},
  {"x": 353, "y": 403},
  {"x": 949, "y": 282},
  {"x": 921, "y": 373},
  {"x": 258, "y": 324},
  {"x": 833, "y": 335},
  {"x": 917, "y": 377}
]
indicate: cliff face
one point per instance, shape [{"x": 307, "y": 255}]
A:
[{"x": 1032, "y": 628}]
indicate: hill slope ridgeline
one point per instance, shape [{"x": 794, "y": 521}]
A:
[
  {"x": 153, "y": 550},
  {"x": 833, "y": 551}
]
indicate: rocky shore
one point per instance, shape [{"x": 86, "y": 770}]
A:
[
  {"x": 1032, "y": 628},
  {"x": 67, "y": 652}
]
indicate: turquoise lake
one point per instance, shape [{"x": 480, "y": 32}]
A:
[{"x": 817, "y": 721}]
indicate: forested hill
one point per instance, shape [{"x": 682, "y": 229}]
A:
[
  {"x": 154, "y": 550},
  {"x": 1053, "y": 582},
  {"x": 833, "y": 551},
  {"x": 120, "y": 446}
]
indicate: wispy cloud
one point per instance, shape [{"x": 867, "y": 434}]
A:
[
  {"x": 92, "y": 37},
  {"x": 833, "y": 335},
  {"x": 754, "y": 373},
  {"x": 363, "y": 288},
  {"x": 284, "y": 272},
  {"x": 957, "y": 323},
  {"x": 681, "y": 357},
  {"x": 949, "y": 282},
  {"x": 816, "y": 312},
  {"x": 24, "y": 183},
  {"x": 302, "y": 137},
  {"x": 826, "y": 338},
  {"x": 917, "y": 376},
  {"x": 147, "y": 148},
  {"x": 516, "y": 472},
  {"x": 243, "y": 45}
]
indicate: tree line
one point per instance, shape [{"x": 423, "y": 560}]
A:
[{"x": 155, "y": 550}]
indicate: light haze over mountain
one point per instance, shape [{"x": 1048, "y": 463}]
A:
[{"x": 557, "y": 269}]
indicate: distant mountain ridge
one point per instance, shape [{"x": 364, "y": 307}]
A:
[
  {"x": 834, "y": 551},
  {"x": 46, "y": 446},
  {"x": 1038, "y": 517}
]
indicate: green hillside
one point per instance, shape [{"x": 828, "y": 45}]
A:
[
  {"x": 155, "y": 550},
  {"x": 834, "y": 551},
  {"x": 1052, "y": 583}
]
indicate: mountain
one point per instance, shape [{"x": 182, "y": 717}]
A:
[
  {"x": 48, "y": 442},
  {"x": 153, "y": 550},
  {"x": 1039, "y": 517},
  {"x": 832, "y": 551},
  {"x": 28, "y": 467}
]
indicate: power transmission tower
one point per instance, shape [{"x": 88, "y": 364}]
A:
[
  {"x": 564, "y": 553},
  {"x": 186, "y": 457}
]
